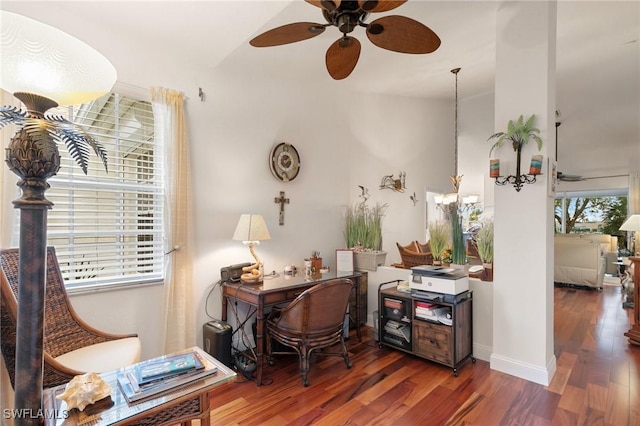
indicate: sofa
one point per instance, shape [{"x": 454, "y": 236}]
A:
[{"x": 583, "y": 259}]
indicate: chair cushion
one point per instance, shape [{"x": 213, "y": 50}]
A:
[{"x": 102, "y": 357}]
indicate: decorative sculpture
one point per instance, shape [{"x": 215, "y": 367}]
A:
[
  {"x": 389, "y": 182},
  {"x": 83, "y": 390},
  {"x": 414, "y": 198},
  {"x": 364, "y": 193}
]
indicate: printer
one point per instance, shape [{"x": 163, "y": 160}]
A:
[{"x": 438, "y": 279}]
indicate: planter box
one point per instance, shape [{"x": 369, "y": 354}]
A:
[{"x": 368, "y": 261}]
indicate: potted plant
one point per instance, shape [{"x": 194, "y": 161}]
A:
[
  {"x": 438, "y": 240},
  {"x": 458, "y": 247},
  {"x": 363, "y": 234},
  {"x": 483, "y": 241}
]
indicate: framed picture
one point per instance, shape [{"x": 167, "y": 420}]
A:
[
  {"x": 552, "y": 181},
  {"x": 344, "y": 260}
]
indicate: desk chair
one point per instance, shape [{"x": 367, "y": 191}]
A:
[
  {"x": 70, "y": 345},
  {"x": 312, "y": 321}
]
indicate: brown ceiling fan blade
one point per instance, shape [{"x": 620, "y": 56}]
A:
[
  {"x": 402, "y": 34},
  {"x": 342, "y": 57},
  {"x": 286, "y": 34},
  {"x": 325, "y": 4},
  {"x": 379, "y": 5}
]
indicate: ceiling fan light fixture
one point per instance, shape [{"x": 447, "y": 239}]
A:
[
  {"x": 346, "y": 22},
  {"x": 330, "y": 4},
  {"x": 396, "y": 33},
  {"x": 368, "y": 5},
  {"x": 375, "y": 29}
]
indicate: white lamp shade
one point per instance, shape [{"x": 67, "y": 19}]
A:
[
  {"x": 42, "y": 60},
  {"x": 470, "y": 199},
  {"x": 251, "y": 227},
  {"x": 632, "y": 223}
]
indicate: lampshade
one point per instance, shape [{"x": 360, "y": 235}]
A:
[
  {"x": 40, "y": 59},
  {"x": 251, "y": 227},
  {"x": 632, "y": 223},
  {"x": 470, "y": 199}
]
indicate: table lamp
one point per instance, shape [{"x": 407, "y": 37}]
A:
[
  {"x": 43, "y": 67},
  {"x": 251, "y": 230},
  {"x": 632, "y": 224}
]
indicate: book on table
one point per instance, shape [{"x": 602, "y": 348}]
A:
[{"x": 156, "y": 376}]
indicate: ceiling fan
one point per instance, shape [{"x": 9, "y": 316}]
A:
[
  {"x": 393, "y": 32},
  {"x": 563, "y": 176}
]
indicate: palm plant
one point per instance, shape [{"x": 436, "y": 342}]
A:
[
  {"x": 438, "y": 238},
  {"x": 519, "y": 133}
]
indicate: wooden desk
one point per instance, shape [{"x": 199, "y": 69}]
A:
[
  {"x": 180, "y": 406},
  {"x": 285, "y": 289}
]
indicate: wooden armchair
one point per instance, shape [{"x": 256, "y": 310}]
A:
[
  {"x": 411, "y": 258},
  {"x": 70, "y": 346},
  {"x": 314, "y": 320}
]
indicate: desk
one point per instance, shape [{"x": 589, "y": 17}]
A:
[
  {"x": 285, "y": 289},
  {"x": 179, "y": 406}
]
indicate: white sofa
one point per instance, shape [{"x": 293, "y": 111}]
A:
[{"x": 578, "y": 261}]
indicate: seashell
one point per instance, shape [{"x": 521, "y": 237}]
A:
[{"x": 83, "y": 390}]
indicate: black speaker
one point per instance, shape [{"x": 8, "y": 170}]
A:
[{"x": 216, "y": 338}]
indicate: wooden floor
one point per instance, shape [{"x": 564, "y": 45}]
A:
[{"x": 597, "y": 382}]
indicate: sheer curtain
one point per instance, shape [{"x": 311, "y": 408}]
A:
[
  {"x": 8, "y": 192},
  {"x": 170, "y": 130}
]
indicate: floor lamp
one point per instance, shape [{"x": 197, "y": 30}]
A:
[{"x": 43, "y": 67}]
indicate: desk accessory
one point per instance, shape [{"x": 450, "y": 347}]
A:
[{"x": 252, "y": 229}]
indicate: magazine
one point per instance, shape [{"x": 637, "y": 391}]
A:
[{"x": 136, "y": 391}]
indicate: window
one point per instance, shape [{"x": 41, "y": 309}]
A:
[
  {"x": 591, "y": 212},
  {"x": 107, "y": 226}
]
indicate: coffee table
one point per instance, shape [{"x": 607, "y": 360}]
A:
[{"x": 178, "y": 406}]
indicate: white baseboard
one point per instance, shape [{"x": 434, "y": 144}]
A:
[
  {"x": 482, "y": 352},
  {"x": 523, "y": 370}
]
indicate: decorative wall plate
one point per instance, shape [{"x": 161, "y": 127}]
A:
[{"x": 284, "y": 162}]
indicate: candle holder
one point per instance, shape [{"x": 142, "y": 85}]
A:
[{"x": 519, "y": 179}]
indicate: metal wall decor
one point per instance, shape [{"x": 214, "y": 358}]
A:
[
  {"x": 282, "y": 201},
  {"x": 414, "y": 198},
  {"x": 395, "y": 184},
  {"x": 518, "y": 132},
  {"x": 364, "y": 193}
]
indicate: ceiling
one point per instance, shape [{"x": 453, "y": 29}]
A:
[{"x": 598, "y": 58}]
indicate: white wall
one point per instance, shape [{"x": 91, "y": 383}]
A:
[{"x": 344, "y": 141}]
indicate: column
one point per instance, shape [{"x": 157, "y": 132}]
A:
[{"x": 523, "y": 279}]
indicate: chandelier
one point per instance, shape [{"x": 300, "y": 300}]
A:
[{"x": 448, "y": 202}]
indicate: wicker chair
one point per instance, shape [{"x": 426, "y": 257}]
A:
[
  {"x": 412, "y": 258},
  {"x": 423, "y": 247},
  {"x": 314, "y": 320},
  {"x": 67, "y": 338}
]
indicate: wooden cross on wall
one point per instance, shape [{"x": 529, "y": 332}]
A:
[{"x": 282, "y": 201}]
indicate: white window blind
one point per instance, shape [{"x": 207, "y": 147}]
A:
[{"x": 107, "y": 226}]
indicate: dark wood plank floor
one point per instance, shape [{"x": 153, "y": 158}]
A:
[{"x": 597, "y": 382}]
